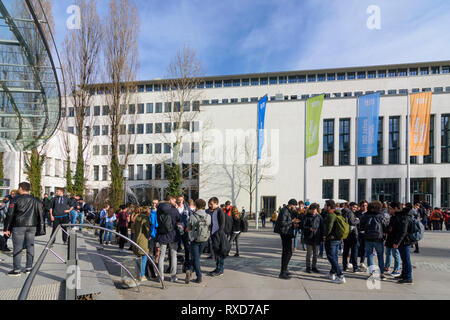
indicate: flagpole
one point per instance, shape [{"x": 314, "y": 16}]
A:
[
  {"x": 257, "y": 164},
  {"x": 356, "y": 150},
  {"x": 305, "y": 192},
  {"x": 408, "y": 158}
]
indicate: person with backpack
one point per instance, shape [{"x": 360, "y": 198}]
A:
[
  {"x": 123, "y": 219},
  {"x": 228, "y": 220},
  {"x": 335, "y": 230},
  {"x": 395, "y": 208},
  {"x": 219, "y": 240},
  {"x": 351, "y": 243},
  {"x": 374, "y": 224},
  {"x": 402, "y": 241},
  {"x": 169, "y": 220},
  {"x": 363, "y": 206},
  {"x": 274, "y": 218},
  {"x": 153, "y": 246},
  {"x": 436, "y": 217},
  {"x": 109, "y": 224},
  {"x": 237, "y": 229},
  {"x": 102, "y": 221},
  {"x": 286, "y": 223},
  {"x": 142, "y": 234},
  {"x": 199, "y": 230},
  {"x": 312, "y": 230},
  {"x": 185, "y": 213},
  {"x": 447, "y": 220}
]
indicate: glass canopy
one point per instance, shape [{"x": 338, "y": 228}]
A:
[{"x": 30, "y": 99}]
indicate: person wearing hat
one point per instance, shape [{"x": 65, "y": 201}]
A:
[{"x": 285, "y": 225}]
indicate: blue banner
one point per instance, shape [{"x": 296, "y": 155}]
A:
[
  {"x": 261, "y": 118},
  {"x": 368, "y": 115}
]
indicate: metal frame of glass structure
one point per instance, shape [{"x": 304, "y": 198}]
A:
[{"x": 30, "y": 96}]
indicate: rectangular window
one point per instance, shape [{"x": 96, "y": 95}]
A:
[
  {"x": 201, "y": 85},
  {"x": 105, "y": 173},
  {"x": 218, "y": 84},
  {"x": 301, "y": 79},
  {"x": 96, "y": 131},
  {"x": 167, "y": 148},
  {"x": 430, "y": 158},
  {"x": 312, "y": 78},
  {"x": 158, "y": 127},
  {"x": 122, "y": 149},
  {"x": 105, "y": 150},
  {"x": 158, "y": 171},
  {"x": 71, "y": 130},
  {"x": 209, "y": 84},
  {"x": 321, "y": 77},
  {"x": 148, "y": 172},
  {"x": 382, "y": 74},
  {"x": 105, "y": 110},
  {"x": 328, "y": 189},
  {"x": 351, "y": 76},
  {"x": 131, "y": 129},
  {"x": 402, "y": 72},
  {"x": 123, "y": 109},
  {"x": 361, "y": 75},
  {"x": 159, "y": 107},
  {"x": 105, "y": 130},
  {"x": 341, "y": 76},
  {"x": 131, "y": 172},
  {"x": 149, "y": 148},
  {"x": 96, "y": 173},
  {"x": 362, "y": 183},
  {"x": 132, "y": 109},
  {"x": 445, "y": 192},
  {"x": 225, "y": 101},
  {"x": 187, "y": 106},
  {"x": 96, "y": 150},
  {"x": 131, "y": 149},
  {"x": 255, "y": 82},
  {"x": 227, "y": 83},
  {"x": 392, "y": 92},
  {"x": 435, "y": 70},
  {"x": 140, "y": 172},
  {"x": 245, "y": 82},
  {"x": 328, "y": 143},
  {"x": 292, "y": 79},
  {"x": 445, "y": 141},
  {"x": 167, "y": 127},
  {"x": 140, "y": 149},
  {"x": 177, "y": 107},
  {"x": 344, "y": 190},
  {"x": 344, "y": 143},
  {"x": 394, "y": 140},
  {"x": 331, "y": 77},
  {"x": 372, "y": 74},
  {"x": 413, "y": 72},
  {"x": 149, "y": 107},
  {"x": 215, "y": 101},
  {"x": 282, "y": 80},
  {"x": 96, "y": 111},
  {"x": 446, "y": 69},
  {"x": 140, "y": 128},
  {"x": 385, "y": 190},
  {"x": 158, "y": 148},
  {"x": 168, "y": 107},
  {"x": 141, "y": 108},
  {"x": 379, "y": 159},
  {"x": 71, "y": 112},
  {"x": 236, "y": 82},
  {"x": 149, "y": 88},
  {"x": 196, "y": 106},
  {"x": 263, "y": 81},
  {"x": 392, "y": 73},
  {"x": 424, "y": 71}
]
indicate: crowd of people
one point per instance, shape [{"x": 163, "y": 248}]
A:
[
  {"x": 357, "y": 231},
  {"x": 174, "y": 226},
  {"x": 191, "y": 228}
]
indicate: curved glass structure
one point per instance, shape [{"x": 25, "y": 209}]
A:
[{"x": 30, "y": 98}]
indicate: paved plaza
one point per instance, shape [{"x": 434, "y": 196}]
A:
[{"x": 253, "y": 276}]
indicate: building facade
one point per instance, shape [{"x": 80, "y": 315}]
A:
[{"x": 219, "y": 149}]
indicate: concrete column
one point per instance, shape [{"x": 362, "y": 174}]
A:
[
  {"x": 386, "y": 139},
  {"x": 437, "y": 192},
  {"x": 437, "y": 138},
  {"x": 368, "y": 189},
  {"x": 336, "y": 142},
  {"x": 403, "y": 125}
]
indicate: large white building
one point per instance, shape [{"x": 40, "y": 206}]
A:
[{"x": 228, "y": 111}]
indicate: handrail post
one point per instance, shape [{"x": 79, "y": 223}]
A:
[{"x": 73, "y": 277}]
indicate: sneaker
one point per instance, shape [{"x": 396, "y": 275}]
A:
[
  {"x": 360, "y": 270},
  {"x": 315, "y": 270},
  {"x": 173, "y": 279},
  {"x": 339, "y": 280},
  {"x": 331, "y": 276},
  {"x": 284, "y": 276},
  {"x": 6, "y": 250},
  {"x": 218, "y": 274},
  {"x": 395, "y": 274},
  {"x": 74, "y": 228},
  {"x": 123, "y": 251},
  {"x": 198, "y": 280},
  {"x": 308, "y": 270},
  {"x": 237, "y": 255},
  {"x": 363, "y": 266},
  {"x": 345, "y": 269},
  {"x": 382, "y": 277},
  {"x": 27, "y": 271},
  {"x": 13, "y": 273},
  {"x": 405, "y": 281},
  {"x": 212, "y": 273},
  {"x": 188, "y": 277},
  {"x": 350, "y": 266},
  {"x": 386, "y": 269}
]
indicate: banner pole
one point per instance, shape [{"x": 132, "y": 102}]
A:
[
  {"x": 305, "y": 193},
  {"x": 356, "y": 150},
  {"x": 408, "y": 158},
  {"x": 257, "y": 165}
]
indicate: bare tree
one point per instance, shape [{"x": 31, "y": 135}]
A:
[
  {"x": 81, "y": 50},
  {"x": 120, "y": 67},
  {"x": 182, "y": 108}
]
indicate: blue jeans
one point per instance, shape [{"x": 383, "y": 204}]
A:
[
  {"x": 379, "y": 248},
  {"x": 321, "y": 249},
  {"x": 73, "y": 216},
  {"x": 406, "y": 262},
  {"x": 361, "y": 249},
  {"x": 389, "y": 253},
  {"x": 296, "y": 232},
  {"x": 109, "y": 226},
  {"x": 143, "y": 265},
  {"x": 220, "y": 261},
  {"x": 196, "y": 251},
  {"x": 332, "y": 250}
]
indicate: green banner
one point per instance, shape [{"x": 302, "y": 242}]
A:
[{"x": 313, "y": 116}]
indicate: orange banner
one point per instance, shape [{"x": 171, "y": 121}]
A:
[{"x": 420, "y": 124}]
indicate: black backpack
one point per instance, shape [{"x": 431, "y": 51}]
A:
[
  {"x": 373, "y": 230},
  {"x": 165, "y": 224},
  {"x": 228, "y": 228},
  {"x": 244, "y": 225}
]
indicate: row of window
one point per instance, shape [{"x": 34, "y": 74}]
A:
[
  {"x": 137, "y": 172},
  {"x": 140, "y": 128},
  {"x": 389, "y": 190},
  {"x": 321, "y": 77},
  {"x": 167, "y": 107},
  {"x": 149, "y": 148},
  {"x": 394, "y": 142}
]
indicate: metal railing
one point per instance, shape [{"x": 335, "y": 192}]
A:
[{"x": 30, "y": 279}]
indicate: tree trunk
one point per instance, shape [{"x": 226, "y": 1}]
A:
[{"x": 78, "y": 186}]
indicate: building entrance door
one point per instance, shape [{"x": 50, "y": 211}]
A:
[{"x": 269, "y": 205}]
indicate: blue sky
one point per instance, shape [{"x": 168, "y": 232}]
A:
[{"x": 250, "y": 36}]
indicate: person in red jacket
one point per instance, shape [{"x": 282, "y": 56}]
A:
[{"x": 435, "y": 218}]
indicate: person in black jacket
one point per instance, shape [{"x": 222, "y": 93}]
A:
[
  {"x": 395, "y": 208},
  {"x": 236, "y": 230},
  {"x": 60, "y": 211},
  {"x": 312, "y": 230},
  {"x": 24, "y": 220},
  {"x": 286, "y": 223},
  {"x": 402, "y": 242},
  {"x": 351, "y": 243},
  {"x": 168, "y": 239},
  {"x": 219, "y": 240}
]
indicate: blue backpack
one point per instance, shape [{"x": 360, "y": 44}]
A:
[{"x": 416, "y": 230}]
